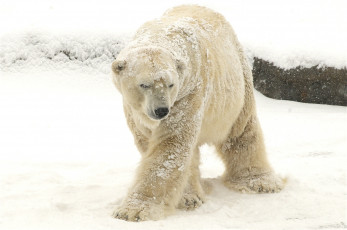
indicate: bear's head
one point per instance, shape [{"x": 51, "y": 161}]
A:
[{"x": 148, "y": 78}]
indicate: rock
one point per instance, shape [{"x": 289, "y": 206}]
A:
[{"x": 320, "y": 85}]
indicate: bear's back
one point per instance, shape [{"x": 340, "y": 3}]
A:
[{"x": 199, "y": 13}]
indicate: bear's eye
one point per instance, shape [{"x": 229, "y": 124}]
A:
[
  {"x": 144, "y": 86},
  {"x": 170, "y": 86}
]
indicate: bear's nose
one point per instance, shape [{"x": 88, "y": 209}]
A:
[{"x": 161, "y": 112}]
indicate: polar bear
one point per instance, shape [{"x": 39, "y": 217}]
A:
[{"x": 185, "y": 82}]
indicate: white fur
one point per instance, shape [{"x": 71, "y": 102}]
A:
[{"x": 191, "y": 62}]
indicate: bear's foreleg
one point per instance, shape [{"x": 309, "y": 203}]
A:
[
  {"x": 160, "y": 180},
  {"x": 194, "y": 194}
]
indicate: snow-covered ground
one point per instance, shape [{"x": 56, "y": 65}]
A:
[
  {"x": 67, "y": 159},
  {"x": 67, "y": 156}
]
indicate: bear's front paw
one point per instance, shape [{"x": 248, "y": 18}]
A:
[
  {"x": 138, "y": 210},
  {"x": 190, "y": 201},
  {"x": 263, "y": 183}
]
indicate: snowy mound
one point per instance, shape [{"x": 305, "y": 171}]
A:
[
  {"x": 53, "y": 51},
  {"x": 289, "y": 55}
]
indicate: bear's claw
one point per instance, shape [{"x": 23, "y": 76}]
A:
[
  {"x": 190, "y": 201},
  {"x": 139, "y": 211}
]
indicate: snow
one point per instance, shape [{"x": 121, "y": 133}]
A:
[
  {"x": 67, "y": 156},
  {"x": 67, "y": 159}
]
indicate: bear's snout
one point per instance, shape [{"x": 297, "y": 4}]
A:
[{"x": 161, "y": 112}]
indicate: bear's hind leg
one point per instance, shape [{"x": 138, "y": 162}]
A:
[{"x": 247, "y": 167}]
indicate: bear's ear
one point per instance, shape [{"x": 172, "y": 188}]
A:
[
  {"x": 180, "y": 66},
  {"x": 118, "y": 66}
]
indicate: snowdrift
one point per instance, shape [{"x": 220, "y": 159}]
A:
[{"x": 49, "y": 51}]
